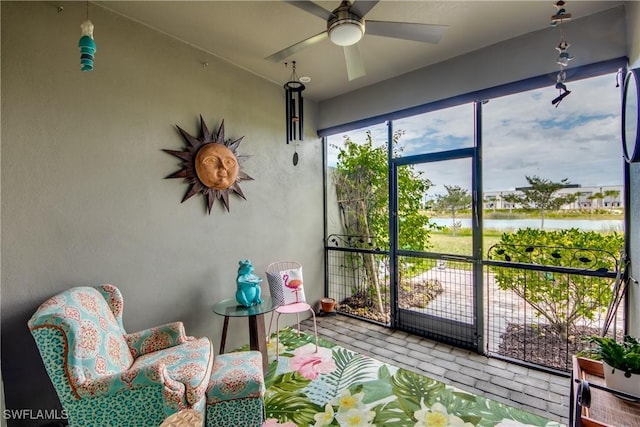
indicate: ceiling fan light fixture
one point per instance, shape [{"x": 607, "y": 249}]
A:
[{"x": 346, "y": 33}]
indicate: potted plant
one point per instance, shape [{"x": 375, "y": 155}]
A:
[
  {"x": 621, "y": 362},
  {"x": 328, "y": 304}
]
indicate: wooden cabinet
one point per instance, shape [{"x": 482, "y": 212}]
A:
[{"x": 595, "y": 405}]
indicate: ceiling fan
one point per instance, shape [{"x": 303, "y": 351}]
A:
[{"x": 346, "y": 26}]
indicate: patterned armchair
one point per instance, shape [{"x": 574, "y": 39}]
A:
[{"x": 106, "y": 377}]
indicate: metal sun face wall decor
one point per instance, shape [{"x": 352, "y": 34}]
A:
[{"x": 210, "y": 165}]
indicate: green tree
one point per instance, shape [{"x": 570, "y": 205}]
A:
[
  {"x": 563, "y": 299},
  {"x": 456, "y": 199},
  {"x": 361, "y": 180},
  {"x": 491, "y": 202},
  {"x": 595, "y": 197},
  {"x": 612, "y": 195},
  {"x": 512, "y": 199},
  {"x": 541, "y": 195}
]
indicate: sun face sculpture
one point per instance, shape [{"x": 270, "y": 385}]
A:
[{"x": 210, "y": 165}]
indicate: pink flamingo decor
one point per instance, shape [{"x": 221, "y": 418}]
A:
[{"x": 294, "y": 284}]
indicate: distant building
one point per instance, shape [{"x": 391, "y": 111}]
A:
[{"x": 597, "y": 197}]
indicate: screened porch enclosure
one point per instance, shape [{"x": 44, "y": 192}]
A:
[{"x": 412, "y": 207}]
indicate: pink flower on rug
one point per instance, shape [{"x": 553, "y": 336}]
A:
[
  {"x": 271, "y": 422},
  {"x": 310, "y": 364}
]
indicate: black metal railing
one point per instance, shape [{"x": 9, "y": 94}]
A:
[
  {"x": 542, "y": 301},
  {"x": 539, "y": 302},
  {"x": 358, "y": 277}
]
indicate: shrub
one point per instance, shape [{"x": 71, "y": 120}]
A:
[{"x": 561, "y": 298}]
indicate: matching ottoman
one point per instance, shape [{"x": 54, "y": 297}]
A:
[{"x": 235, "y": 395}]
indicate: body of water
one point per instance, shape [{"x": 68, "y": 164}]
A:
[{"x": 549, "y": 224}]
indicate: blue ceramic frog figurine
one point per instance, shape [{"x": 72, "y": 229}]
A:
[{"x": 248, "y": 285}]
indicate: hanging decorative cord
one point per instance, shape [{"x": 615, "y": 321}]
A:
[
  {"x": 564, "y": 56},
  {"x": 86, "y": 44}
]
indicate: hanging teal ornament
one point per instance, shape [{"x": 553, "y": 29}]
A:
[{"x": 87, "y": 46}]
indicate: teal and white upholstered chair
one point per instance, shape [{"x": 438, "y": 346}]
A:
[
  {"x": 235, "y": 396},
  {"x": 106, "y": 377}
]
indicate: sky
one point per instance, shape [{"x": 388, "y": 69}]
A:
[{"x": 523, "y": 135}]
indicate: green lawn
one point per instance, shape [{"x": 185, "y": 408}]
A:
[
  {"x": 460, "y": 244},
  {"x": 615, "y": 213}
]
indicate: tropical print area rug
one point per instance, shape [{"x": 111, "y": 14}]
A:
[{"x": 338, "y": 387}]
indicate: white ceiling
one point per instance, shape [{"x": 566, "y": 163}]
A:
[{"x": 246, "y": 32}]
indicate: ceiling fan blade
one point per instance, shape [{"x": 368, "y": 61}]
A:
[
  {"x": 355, "y": 66},
  {"x": 428, "y": 33},
  {"x": 312, "y": 8},
  {"x": 288, "y": 51},
  {"x": 362, "y": 7}
]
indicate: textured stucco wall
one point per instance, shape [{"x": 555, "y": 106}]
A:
[{"x": 83, "y": 196}]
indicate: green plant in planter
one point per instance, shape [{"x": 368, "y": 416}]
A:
[{"x": 623, "y": 355}]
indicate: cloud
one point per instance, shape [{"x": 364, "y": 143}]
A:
[{"x": 523, "y": 135}]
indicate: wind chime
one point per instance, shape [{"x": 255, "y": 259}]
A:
[
  {"x": 294, "y": 105},
  {"x": 86, "y": 44},
  {"x": 564, "y": 57}
]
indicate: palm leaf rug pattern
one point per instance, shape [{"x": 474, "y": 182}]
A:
[{"x": 338, "y": 387}]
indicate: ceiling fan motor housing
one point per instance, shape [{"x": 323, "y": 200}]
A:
[{"x": 345, "y": 28}]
